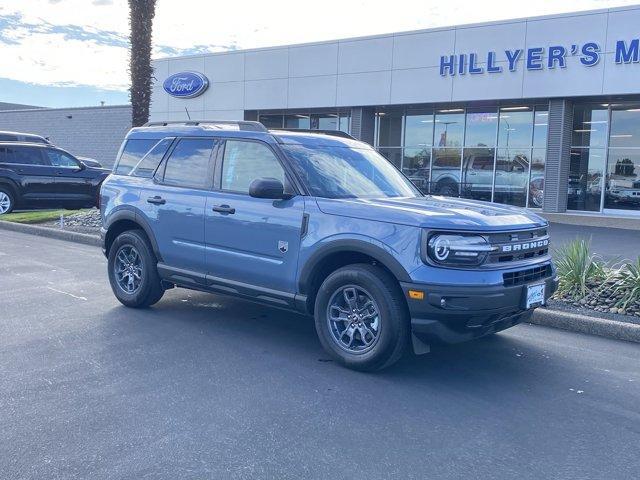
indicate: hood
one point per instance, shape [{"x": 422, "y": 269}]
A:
[{"x": 434, "y": 212}]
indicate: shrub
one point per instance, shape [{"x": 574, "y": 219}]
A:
[
  {"x": 578, "y": 269},
  {"x": 628, "y": 284}
]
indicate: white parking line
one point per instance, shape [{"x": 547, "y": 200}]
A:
[{"x": 67, "y": 293}]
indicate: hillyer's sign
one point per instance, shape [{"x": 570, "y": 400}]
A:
[
  {"x": 535, "y": 59},
  {"x": 185, "y": 84}
]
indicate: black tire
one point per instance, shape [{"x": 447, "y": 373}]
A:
[
  {"x": 7, "y": 195},
  {"x": 393, "y": 317},
  {"x": 150, "y": 289}
]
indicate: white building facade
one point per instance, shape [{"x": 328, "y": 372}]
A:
[{"x": 541, "y": 112}]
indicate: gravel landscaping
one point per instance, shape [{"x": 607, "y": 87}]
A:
[{"x": 85, "y": 221}]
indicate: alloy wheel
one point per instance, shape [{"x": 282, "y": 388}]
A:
[
  {"x": 354, "y": 319},
  {"x": 128, "y": 269},
  {"x": 5, "y": 203}
]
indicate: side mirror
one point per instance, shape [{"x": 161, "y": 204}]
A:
[{"x": 267, "y": 188}]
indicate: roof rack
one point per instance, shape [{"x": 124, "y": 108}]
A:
[
  {"x": 241, "y": 124},
  {"x": 333, "y": 133}
]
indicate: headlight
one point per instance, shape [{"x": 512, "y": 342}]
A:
[{"x": 458, "y": 250}]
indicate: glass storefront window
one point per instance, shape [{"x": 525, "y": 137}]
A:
[
  {"x": 481, "y": 128},
  {"x": 512, "y": 176},
  {"x": 394, "y": 155},
  {"x": 345, "y": 123},
  {"x": 390, "y": 128},
  {"x": 297, "y": 121},
  {"x": 536, "y": 178},
  {"x": 590, "y": 123},
  {"x": 585, "y": 179},
  {"x": 449, "y": 129},
  {"x": 625, "y": 126},
  {"x": 271, "y": 121},
  {"x": 516, "y": 127},
  {"x": 324, "y": 122},
  {"x": 418, "y": 129},
  {"x": 477, "y": 173},
  {"x": 445, "y": 174},
  {"x": 623, "y": 178},
  {"x": 540, "y": 127},
  {"x": 416, "y": 165}
]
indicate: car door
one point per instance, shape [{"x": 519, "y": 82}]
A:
[
  {"x": 37, "y": 176},
  {"x": 173, "y": 203},
  {"x": 253, "y": 241},
  {"x": 73, "y": 180}
]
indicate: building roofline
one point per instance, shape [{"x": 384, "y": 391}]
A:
[
  {"x": 461, "y": 26},
  {"x": 59, "y": 109}
]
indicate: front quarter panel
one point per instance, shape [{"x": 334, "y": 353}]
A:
[{"x": 396, "y": 246}]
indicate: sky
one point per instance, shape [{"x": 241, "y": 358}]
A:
[{"x": 59, "y": 53}]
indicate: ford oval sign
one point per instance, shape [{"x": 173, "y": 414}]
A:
[{"x": 186, "y": 84}]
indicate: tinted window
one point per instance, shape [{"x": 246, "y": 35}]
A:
[
  {"x": 4, "y": 137},
  {"x": 188, "y": 164},
  {"x": 28, "y": 156},
  {"x": 60, "y": 159},
  {"x": 246, "y": 161},
  {"x": 133, "y": 151},
  {"x": 149, "y": 162}
]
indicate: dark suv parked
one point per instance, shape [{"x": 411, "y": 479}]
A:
[
  {"x": 41, "y": 175},
  {"x": 319, "y": 224}
]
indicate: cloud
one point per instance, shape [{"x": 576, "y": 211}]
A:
[{"x": 82, "y": 42}]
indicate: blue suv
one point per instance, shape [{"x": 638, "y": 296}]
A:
[{"x": 321, "y": 224}]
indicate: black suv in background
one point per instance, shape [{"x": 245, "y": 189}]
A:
[{"x": 40, "y": 175}]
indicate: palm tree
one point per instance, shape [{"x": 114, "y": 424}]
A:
[{"x": 141, "y": 13}]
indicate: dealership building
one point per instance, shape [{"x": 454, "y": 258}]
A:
[{"x": 538, "y": 112}]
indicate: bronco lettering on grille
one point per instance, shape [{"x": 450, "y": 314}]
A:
[{"x": 518, "y": 247}]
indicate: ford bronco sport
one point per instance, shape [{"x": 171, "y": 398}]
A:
[{"x": 322, "y": 224}]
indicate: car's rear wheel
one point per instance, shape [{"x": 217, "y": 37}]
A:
[
  {"x": 7, "y": 201},
  {"x": 361, "y": 317},
  {"x": 133, "y": 272}
]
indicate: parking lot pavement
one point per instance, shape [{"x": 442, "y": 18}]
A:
[
  {"x": 202, "y": 386},
  {"x": 613, "y": 244}
]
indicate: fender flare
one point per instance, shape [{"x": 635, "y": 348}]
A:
[
  {"x": 129, "y": 213},
  {"x": 352, "y": 245}
]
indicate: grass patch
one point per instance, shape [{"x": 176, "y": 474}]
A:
[{"x": 38, "y": 216}]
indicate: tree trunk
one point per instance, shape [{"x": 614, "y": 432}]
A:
[{"x": 141, "y": 13}]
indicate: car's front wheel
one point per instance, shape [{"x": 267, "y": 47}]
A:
[
  {"x": 7, "y": 202},
  {"x": 133, "y": 272},
  {"x": 361, "y": 317}
]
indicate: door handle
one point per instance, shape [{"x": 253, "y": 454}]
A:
[
  {"x": 224, "y": 209},
  {"x": 156, "y": 200}
]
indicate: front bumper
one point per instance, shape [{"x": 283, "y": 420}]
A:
[{"x": 453, "y": 314}]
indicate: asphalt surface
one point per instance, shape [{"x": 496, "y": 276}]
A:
[
  {"x": 202, "y": 386},
  {"x": 612, "y": 244}
]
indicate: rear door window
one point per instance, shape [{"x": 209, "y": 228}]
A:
[
  {"x": 132, "y": 153},
  {"x": 189, "y": 164}
]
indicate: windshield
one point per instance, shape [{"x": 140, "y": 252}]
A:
[{"x": 343, "y": 172}]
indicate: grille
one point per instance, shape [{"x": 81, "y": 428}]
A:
[
  {"x": 517, "y": 246},
  {"x": 525, "y": 276}
]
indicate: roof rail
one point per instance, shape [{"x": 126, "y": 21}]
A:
[
  {"x": 333, "y": 133},
  {"x": 241, "y": 124}
]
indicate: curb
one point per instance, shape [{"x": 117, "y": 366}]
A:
[
  {"x": 574, "y": 322},
  {"x": 76, "y": 237}
]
